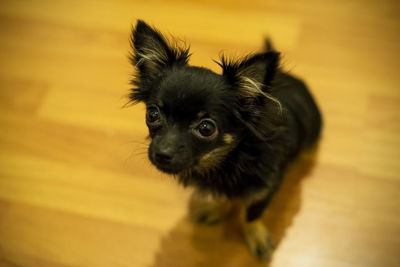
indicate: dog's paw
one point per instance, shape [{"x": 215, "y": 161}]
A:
[
  {"x": 206, "y": 215},
  {"x": 207, "y": 210},
  {"x": 262, "y": 248},
  {"x": 258, "y": 240}
]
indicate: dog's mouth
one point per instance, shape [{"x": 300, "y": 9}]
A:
[
  {"x": 170, "y": 166},
  {"x": 169, "y": 169}
]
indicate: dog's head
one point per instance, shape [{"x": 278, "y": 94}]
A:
[{"x": 196, "y": 117}]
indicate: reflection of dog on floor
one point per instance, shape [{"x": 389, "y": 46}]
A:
[{"x": 229, "y": 135}]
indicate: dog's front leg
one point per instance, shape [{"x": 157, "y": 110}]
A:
[
  {"x": 255, "y": 232},
  {"x": 208, "y": 209}
]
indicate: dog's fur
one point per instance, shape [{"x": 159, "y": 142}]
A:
[{"x": 230, "y": 135}]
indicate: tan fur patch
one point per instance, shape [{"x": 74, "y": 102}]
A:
[
  {"x": 213, "y": 158},
  {"x": 228, "y": 138},
  {"x": 254, "y": 230},
  {"x": 201, "y": 114},
  {"x": 256, "y": 196},
  {"x": 205, "y": 208},
  {"x": 160, "y": 103},
  {"x": 257, "y": 237}
]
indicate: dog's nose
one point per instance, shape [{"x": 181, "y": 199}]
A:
[{"x": 164, "y": 156}]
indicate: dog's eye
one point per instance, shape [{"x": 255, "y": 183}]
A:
[
  {"x": 153, "y": 114},
  {"x": 206, "y": 128}
]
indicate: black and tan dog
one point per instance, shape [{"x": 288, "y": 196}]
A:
[{"x": 229, "y": 135}]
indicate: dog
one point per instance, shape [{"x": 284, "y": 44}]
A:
[{"x": 228, "y": 135}]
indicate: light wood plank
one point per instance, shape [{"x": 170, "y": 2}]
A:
[{"x": 76, "y": 188}]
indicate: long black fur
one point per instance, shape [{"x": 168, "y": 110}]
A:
[{"x": 269, "y": 126}]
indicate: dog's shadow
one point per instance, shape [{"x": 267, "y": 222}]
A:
[{"x": 192, "y": 245}]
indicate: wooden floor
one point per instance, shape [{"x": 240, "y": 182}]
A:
[{"x": 76, "y": 188}]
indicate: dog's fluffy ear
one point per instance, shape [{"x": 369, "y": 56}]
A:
[
  {"x": 251, "y": 74},
  {"x": 250, "y": 79},
  {"x": 152, "y": 54}
]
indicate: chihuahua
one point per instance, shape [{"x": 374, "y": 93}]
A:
[{"x": 229, "y": 135}]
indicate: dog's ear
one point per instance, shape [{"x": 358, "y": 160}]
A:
[
  {"x": 251, "y": 74},
  {"x": 152, "y": 53},
  {"x": 250, "y": 79}
]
